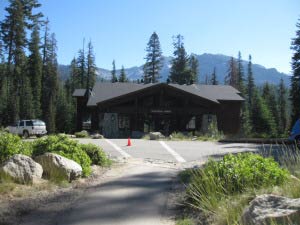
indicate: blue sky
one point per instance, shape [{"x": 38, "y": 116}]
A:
[{"x": 120, "y": 29}]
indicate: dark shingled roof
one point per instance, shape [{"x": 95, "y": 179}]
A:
[
  {"x": 106, "y": 91},
  {"x": 79, "y": 92},
  {"x": 213, "y": 93}
]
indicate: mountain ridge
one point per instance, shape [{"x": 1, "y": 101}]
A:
[{"x": 207, "y": 62}]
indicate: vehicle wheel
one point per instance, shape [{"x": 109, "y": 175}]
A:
[{"x": 25, "y": 134}]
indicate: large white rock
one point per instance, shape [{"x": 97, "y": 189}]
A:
[
  {"x": 21, "y": 169},
  {"x": 265, "y": 209},
  {"x": 56, "y": 166},
  {"x": 155, "y": 135}
]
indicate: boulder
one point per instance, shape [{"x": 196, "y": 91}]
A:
[
  {"x": 59, "y": 167},
  {"x": 272, "y": 209},
  {"x": 155, "y": 135},
  {"x": 97, "y": 136},
  {"x": 21, "y": 169}
]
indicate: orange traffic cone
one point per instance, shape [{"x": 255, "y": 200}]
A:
[{"x": 129, "y": 142}]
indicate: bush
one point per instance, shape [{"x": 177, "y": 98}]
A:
[
  {"x": 96, "y": 154},
  {"x": 82, "y": 134},
  {"x": 64, "y": 146},
  {"x": 12, "y": 144},
  {"x": 234, "y": 174},
  {"x": 246, "y": 170}
]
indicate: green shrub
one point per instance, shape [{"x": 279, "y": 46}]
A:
[
  {"x": 64, "y": 146},
  {"x": 96, "y": 154},
  {"x": 12, "y": 144},
  {"x": 232, "y": 175},
  {"x": 82, "y": 134},
  {"x": 246, "y": 170}
]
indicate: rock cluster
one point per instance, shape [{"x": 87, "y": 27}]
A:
[
  {"x": 156, "y": 135},
  {"x": 272, "y": 209},
  {"x": 59, "y": 167},
  {"x": 24, "y": 170},
  {"x": 21, "y": 169}
]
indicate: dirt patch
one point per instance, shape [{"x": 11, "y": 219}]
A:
[{"x": 41, "y": 203}]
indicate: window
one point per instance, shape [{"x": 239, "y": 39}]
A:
[
  {"x": 191, "y": 124},
  {"x": 22, "y": 124},
  {"x": 124, "y": 122},
  {"x": 38, "y": 123},
  {"x": 29, "y": 123}
]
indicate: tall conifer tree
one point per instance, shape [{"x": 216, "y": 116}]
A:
[
  {"x": 35, "y": 70},
  {"x": 154, "y": 60},
  {"x": 91, "y": 67},
  {"x": 81, "y": 66},
  {"x": 282, "y": 105},
  {"x": 180, "y": 72},
  {"x": 240, "y": 74},
  {"x": 114, "y": 73},
  {"x": 214, "y": 80},
  {"x": 50, "y": 80},
  {"x": 232, "y": 74},
  {"x": 123, "y": 77},
  {"x": 271, "y": 101},
  {"x": 295, "y": 79},
  {"x": 250, "y": 83},
  {"x": 194, "y": 67}
]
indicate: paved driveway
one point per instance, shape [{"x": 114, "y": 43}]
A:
[{"x": 172, "y": 151}]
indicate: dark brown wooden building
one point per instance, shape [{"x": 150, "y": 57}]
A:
[{"x": 123, "y": 109}]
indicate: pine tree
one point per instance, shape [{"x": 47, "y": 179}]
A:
[
  {"x": 81, "y": 67},
  {"x": 3, "y": 100},
  {"x": 282, "y": 108},
  {"x": 269, "y": 97},
  {"x": 14, "y": 38},
  {"x": 35, "y": 71},
  {"x": 154, "y": 60},
  {"x": 75, "y": 79},
  {"x": 261, "y": 117},
  {"x": 250, "y": 84},
  {"x": 295, "y": 79},
  {"x": 65, "y": 111},
  {"x": 26, "y": 99},
  {"x": 180, "y": 73},
  {"x": 214, "y": 80},
  {"x": 49, "y": 80},
  {"x": 123, "y": 77},
  {"x": 91, "y": 67},
  {"x": 20, "y": 17},
  {"x": 114, "y": 73},
  {"x": 194, "y": 67},
  {"x": 232, "y": 74},
  {"x": 240, "y": 74},
  {"x": 245, "y": 121}
]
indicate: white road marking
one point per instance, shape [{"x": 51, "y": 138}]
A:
[
  {"x": 116, "y": 147},
  {"x": 172, "y": 152}
]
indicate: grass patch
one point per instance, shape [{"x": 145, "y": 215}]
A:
[
  {"x": 184, "y": 221},
  {"x": 7, "y": 187},
  {"x": 11, "y": 189}
]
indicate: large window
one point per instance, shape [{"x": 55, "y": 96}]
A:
[
  {"x": 191, "y": 125},
  {"x": 124, "y": 122}
]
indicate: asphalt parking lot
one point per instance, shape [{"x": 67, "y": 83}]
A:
[{"x": 172, "y": 151}]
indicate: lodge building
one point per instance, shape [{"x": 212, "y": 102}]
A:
[{"x": 131, "y": 109}]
